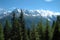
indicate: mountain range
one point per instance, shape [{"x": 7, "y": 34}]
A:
[{"x": 30, "y": 16}]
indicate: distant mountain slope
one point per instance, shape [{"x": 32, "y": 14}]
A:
[{"x": 30, "y": 15}]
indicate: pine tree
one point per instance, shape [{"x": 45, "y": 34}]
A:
[
  {"x": 37, "y": 33},
  {"x": 22, "y": 27},
  {"x": 33, "y": 32},
  {"x": 56, "y": 33},
  {"x": 1, "y": 32},
  {"x": 28, "y": 33},
  {"x": 13, "y": 30},
  {"x": 7, "y": 30},
  {"x": 47, "y": 30},
  {"x": 52, "y": 29},
  {"x": 15, "y": 34},
  {"x": 40, "y": 30},
  {"x": 53, "y": 24}
]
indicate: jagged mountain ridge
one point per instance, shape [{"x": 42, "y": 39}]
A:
[
  {"x": 31, "y": 15},
  {"x": 44, "y": 13}
]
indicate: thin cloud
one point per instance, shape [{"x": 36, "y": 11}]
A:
[{"x": 48, "y": 0}]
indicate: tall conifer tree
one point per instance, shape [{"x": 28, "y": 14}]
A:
[
  {"x": 40, "y": 30},
  {"x": 33, "y": 32},
  {"x": 56, "y": 33},
  {"x": 7, "y": 30},
  {"x": 47, "y": 37},
  {"x": 1, "y": 32},
  {"x": 22, "y": 26},
  {"x": 15, "y": 28}
]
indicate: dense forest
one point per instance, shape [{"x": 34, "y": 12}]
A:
[{"x": 16, "y": 30}]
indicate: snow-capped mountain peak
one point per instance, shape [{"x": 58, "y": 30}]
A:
[{"x": 50, "y": 15}]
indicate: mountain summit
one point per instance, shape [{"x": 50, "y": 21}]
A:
[{"x": 31, "y": 15}]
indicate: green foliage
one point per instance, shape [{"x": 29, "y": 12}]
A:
[
  {"x": 18, "y": 31},
  {"x": 29, "y": 33},
  {"x": 33, "y": 32},
  {"x": 52, "y": 30},
  {"x": 40, "y": 30},
  {"x": 7, "y": 28},
  {"x": 22, "y": 27},
  {"x": 47, "y": 30},
  {"x": 1, "y": 32},
  {"x": 56, "y": 33},
  {"x": 15, "y": 32}
]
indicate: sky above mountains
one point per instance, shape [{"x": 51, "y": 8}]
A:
[{"x": 53, "y": 5}]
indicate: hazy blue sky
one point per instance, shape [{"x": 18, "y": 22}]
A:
[{"x": 53, "y": 5}]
